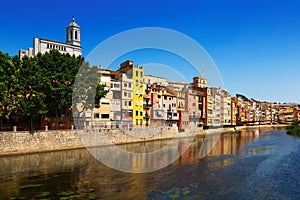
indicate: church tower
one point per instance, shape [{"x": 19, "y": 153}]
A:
[{"x": 73, "y": 33}]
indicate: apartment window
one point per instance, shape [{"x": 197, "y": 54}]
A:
[
  {"x": 136, "y": 113},
  {"x": 136, "y": 83},
  {"x": 141, "y": 113},
  {"x": 175, "y": 114},
  {"x": 125, "y": 84},
  {"x": 137, "y": 92},
  {"x": 164, "y": 105},
  {"x": 129, "y": 94},
  {"x": 159, "y": 96},
  {"x": 129, "y": 85},
  {"x": 104, "y": 116},
  {"x": 96, "y": 116},
  {"x": 105, "y": 101},
  {"x": 136, "y": 121},
  {"x": 141, "y": 121},
  {"x": 136, "y": 73},
  {"x": 129, "y": 103},
  {"x": 165, "y": 97},
  {"x": 116, "y": 85},
  {"x": 141, "y": 92},
  {"x": 141, "y": 74},
  {"x": 141, "y": 102},
  {"x": 136, "y": 102},
  {"x": 125, "y": 94},
  {"x": 125, "y": 103}
]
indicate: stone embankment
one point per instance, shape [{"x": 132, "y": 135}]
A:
[{"x": 41, "y": 141}]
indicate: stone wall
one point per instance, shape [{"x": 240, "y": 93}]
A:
[{"x": 24, "y": 142}]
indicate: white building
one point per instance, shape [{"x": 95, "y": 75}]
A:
[{"x": 71, "y": 46}]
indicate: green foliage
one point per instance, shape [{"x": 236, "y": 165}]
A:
[
  {"x": 101, "y": 91},
  {"x": 43, "y": 85},
  {"x": 293, "y": 130},
  {"x": 8, "y": 85},
  {"x": 87, "y": 90}
]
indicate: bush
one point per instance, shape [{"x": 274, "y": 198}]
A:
[{"x": 293, "y": 130}]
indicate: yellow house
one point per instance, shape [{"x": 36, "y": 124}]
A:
[{"x": 137, "y": 97}]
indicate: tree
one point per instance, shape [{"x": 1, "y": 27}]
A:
[
  {"x": 31, "y": 90},
  {"x": 8, "y": 85},
  {"x": 60, "y": 70},
  {"x": 87, "y": 91}
]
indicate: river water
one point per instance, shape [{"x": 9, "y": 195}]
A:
[{"x": 255, "y": 164}]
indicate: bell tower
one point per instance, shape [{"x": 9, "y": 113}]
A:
[{"x": 73, "y": 33}]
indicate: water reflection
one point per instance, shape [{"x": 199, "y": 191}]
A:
[{"x": 76, "y": 174}]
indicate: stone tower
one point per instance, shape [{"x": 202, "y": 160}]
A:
[{"x": 73, "y": 33}]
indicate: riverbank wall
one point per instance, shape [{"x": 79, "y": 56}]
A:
[{"x": 53, "y": 140}]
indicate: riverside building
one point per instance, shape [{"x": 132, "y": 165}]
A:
[{"x": 71, "y": 46}]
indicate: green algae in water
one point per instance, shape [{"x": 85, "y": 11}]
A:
[
  {"x": 262, "y": 151},
  {"x": 75, "y": 196},
  {"x": 185, "y": 191},
  {"x": 43, "y": 194},
  {"x": 175, "y": 192},
  {"x": 66, "y": 193},
  {"x": 30, "y": 186}
]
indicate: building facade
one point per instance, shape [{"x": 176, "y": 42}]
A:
[{"x": 72, "y": 45}]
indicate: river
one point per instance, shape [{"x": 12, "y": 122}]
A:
[{"x": 254, "y": 164}]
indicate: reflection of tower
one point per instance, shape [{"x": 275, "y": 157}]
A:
[{"x": 73, "y": 33}]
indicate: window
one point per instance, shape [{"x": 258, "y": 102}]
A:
[
  {"x": 141, "y": 74},
  {"x": 88, "y": 115},
  {"x": 141, "y": 83},
  {"x": 136, "y": 73},
  {"x": 141, "y": 92},
  {"x": 136, "y": 83},
  {"x": 116, "y": 85},
  {"x": 159, "y": 96},
  {"x": 165, "y": 97},
  {"x": 136, "y": 102},
  {"x": 141, "y": 113},
  {"x": 129, "y": 103},
  {"x": 164, "y": 105},
  {"x": 125, "y": 103},
  {"x": 125, "y": 94},
  {"x": 129, "y": 94},
  {"x": 104, "y": 101},
  {"x": 137, "y": 92},
  {"x": 129, "y": 85},
  {"x": 136, "y": 113},
  {"x": 125, "y": 84},
  {"x": 75, "y": 35},
  {"x": 141, "y": 102},
  {"x": 175, "y": 114},
  {"x": 104, "y": 116},
  {"x": 136, "y": 121},
  {"x": 96, "y": 116}
]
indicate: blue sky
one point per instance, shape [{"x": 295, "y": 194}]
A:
[{"x": 255, "y": 44}]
